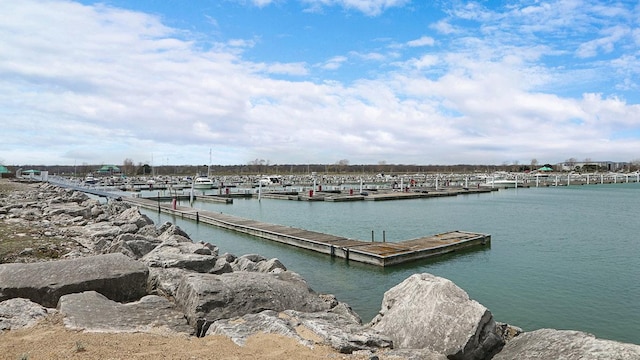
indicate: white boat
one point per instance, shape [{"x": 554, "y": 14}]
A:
[
  {"x": 269, "y": 180},
  {"x": 89, "y": 179},
  {"x": 202, "y": 183},
  {"x": 502, "y": 179},
  {"x": 504, "y": 183}
]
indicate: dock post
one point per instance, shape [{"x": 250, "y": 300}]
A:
[
  {"x": 372, "y": 239},
  {"x": 333, "y": 251},
  {"x": 158, "y": 202},
  {"x": 346, "y": 254},
  {"x": 197, "y": 217},
  {"x": 384, "y": 236}
]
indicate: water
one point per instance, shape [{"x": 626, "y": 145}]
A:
[{"x": 561, "y": 257}]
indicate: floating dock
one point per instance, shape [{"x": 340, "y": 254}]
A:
[{"x": 374, "y": 253}]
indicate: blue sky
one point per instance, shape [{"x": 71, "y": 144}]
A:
[{"x": 319, "y": 81}]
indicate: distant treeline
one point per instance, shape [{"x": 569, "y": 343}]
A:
[{"x": 251, "y": 169}]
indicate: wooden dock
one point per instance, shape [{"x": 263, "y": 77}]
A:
[{"x": 374, "y": 253}]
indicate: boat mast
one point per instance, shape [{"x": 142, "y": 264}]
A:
[{"x": 209, "y": 167}]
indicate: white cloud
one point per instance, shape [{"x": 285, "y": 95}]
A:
[
  {"x": 371, "y": 56},
  {"x": 443, "y": 27},
  {"x": 423, "y": 41},
  {"x": 128, "y": 86},
  {"x": 367, "y": 7},
  {"x": 334, "y": 63},
  {"x": 262, "y": 3},
  {"x": 241, "y": 43}
]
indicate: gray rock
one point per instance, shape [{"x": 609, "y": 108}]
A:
[
  {"x": 168, "y": 255},
  {"x": 96, "y": 211},
  {"x": 133, "y": 216},
  {"x": 253, "y": 257},
  {"x": 271, "y": 265},
  {"x": 77, "y": 197},
  {"x": 165, "y": 281},
  {"x": 102, "y": 230},
  {"x": 128, "y": 228},
  {"x": 257, "y": 263},
  {"x": 173, "y": 232},
  {"x": 429, "y": 312},
  {"x": 20, "y": 313},
  {"x": 222, "y": 266},
  {"x": 91, "y": 311},
  {"x": 116, "y": 276},
  {"x": 340, "y": 332},
  {"x": 507, "y": 331},
  {"x": 414, "y": 354},
  {"x": 133, "y": 245},
  {"x": 566, "y": 345},
  {"x": 206, "y": 298},
  {"x": 148, "y": 231},
  {"x": 68, "y": 209},
  {"x": 326, "y": 328},
  {"x": 268, "y": 321}
]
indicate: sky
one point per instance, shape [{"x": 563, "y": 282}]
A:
[{"x": 230, "y": 82}]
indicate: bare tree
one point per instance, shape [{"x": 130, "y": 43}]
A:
[
  {"x": 534, "y": 163},
  {"x": 127, "y": 167}
]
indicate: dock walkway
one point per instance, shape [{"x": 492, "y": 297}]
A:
[{"x": 375, "y": 253}]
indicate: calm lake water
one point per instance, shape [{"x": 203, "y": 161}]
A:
[{"x": 561, "y": 257}]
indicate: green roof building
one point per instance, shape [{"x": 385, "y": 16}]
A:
[{"x": 109, "y": 169}]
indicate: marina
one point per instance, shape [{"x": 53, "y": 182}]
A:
[
  {"x": 373, "y": 253},
  {"x": 551, "y": 251}
]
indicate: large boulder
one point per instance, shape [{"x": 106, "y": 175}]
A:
[
  {"x": 132, "y": 215},
  {"x": 206, "y": 298},
  {"x": 133, "y": 245},
  {"x": 20, "y": 313},
  {"x": 566, "y": 345},
  {"x": 257, "y": 263},
  {"x": 69, "y": 209},
  {"x": 430, "y": 312},
  {"x": 116, "y": 276},
  {"x": 325, "y": 327},
  {"x": 184, "y": 255},
  {"x": 165, "y": 281},
  {"x": 91, "y": 311}
]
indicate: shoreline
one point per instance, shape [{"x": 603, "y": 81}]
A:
[{"x": 385, "y": 319}]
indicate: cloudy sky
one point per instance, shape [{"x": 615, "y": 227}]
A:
[{"x": 318, "y": 81}]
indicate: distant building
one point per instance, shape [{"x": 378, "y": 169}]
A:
[
  {"x": 4, "y": 172},
  {"x": 108, "y": 170},
  {"x": 591, "y": 166}
]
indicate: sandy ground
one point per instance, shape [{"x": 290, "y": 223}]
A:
[{"x": 50, "y": 340}]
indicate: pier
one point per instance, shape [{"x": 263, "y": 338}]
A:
[{"x": 374, "y": 253}]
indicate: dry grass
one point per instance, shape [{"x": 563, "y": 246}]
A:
[{"x": 22, "y": 241}]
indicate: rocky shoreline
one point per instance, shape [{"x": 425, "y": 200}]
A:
[{"x": 109, "y": 268}]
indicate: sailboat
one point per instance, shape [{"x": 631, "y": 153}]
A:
[{"x": 204, "y": 182}]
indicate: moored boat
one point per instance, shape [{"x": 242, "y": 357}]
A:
[{"x": 202, "y": 183}]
